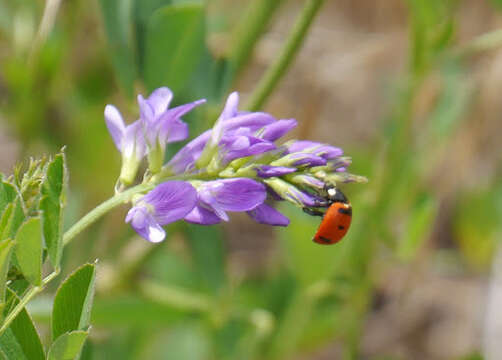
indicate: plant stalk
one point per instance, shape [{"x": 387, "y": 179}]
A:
[{"x": 277, "y": 70}]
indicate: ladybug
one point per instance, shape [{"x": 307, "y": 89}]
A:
[{"x": 335, "y": 220}]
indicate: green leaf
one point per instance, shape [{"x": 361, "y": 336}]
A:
[
  {"x": 12, "y": 218},
  {"x": 21, "y": 340},
  {"x": 174, "y": 44},
  {"x": 5, "y": 254},
  {"x": 10, "y": 348},
  {"x": 51, "y": 204},
  {"x": 68, "y": 346},
  {"x": 4, "y": 220},
  {"x": 117, "y": 17},
  {"x": 73, "y": 302},
  {"x": 7, "y": 195},
  {"x": 420, "y": 224},
  {"x": 28, "y": 251}
]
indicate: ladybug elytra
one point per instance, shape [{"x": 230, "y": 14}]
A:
[{"x": 335, "y": 220}]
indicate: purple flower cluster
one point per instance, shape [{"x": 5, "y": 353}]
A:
[
  {"x": 157, "y": 126},
  {"x": 237, "y": 166}
]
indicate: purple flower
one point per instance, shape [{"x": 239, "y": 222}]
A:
[
  {"x": 184, "y": 160},
  {"x": 234, "y": 146},
  {"x": 127, "y": 139},
  {"x": 157, "y": 126},
  {"x": 308, "y": 181},
  {"x": 289, "y": 192},
  {"x": 236, "y": 134},
  {"x": 306, "y": 159},
  {"x": 339, "y": 164},
  {"x": 267, "y": 171},
  {"x": 161, "y": 123},
  {"x": 168, "y": 202},
  {"x": 323, "y": 150},
  {"x": 266, "y": 214},
  {"x": 300, "y": 160},
  {"x": 217, "y": 197},
  {"x": 277, "y": 129}
]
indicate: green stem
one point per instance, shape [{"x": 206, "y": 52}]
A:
[
  {"x": 46, "y": 25},
  {"x": 249, "y": 31},
  {"x": 102, "y": 209},
  {"x": 26, "y": 298},
  {"x": 76, "y": 229},
  {"x": 175, "y": 297},
  {"x": 288, "y": 52},
  {"x": 487, "y": 41}
]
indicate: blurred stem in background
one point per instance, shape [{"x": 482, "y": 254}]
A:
[
  {"x": 248, "y": 32},
  {"x": 286, "y": 56},
  {"x": 45, "y": 27}
]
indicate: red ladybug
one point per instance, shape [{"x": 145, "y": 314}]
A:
[{"x": 335, "y": 221}]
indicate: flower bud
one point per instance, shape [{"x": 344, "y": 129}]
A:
[{"x": 292, "y": 194}]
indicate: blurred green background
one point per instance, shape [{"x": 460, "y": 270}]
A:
[{"x": 409, "y": 88}]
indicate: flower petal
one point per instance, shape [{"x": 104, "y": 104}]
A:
[
  {"x": 253, "y": 121},
  {"x": 277, "y": 129},
  {"x": 115, "y": 124},
  {"x": 230, "y": 109},
  {"x": 178, "y": 131},
  {"x": 253, "y": 146},
  {"x": 325, "y": 151},
  {"x": 146, "y": 111},
  {"x": 202, "y": 216},
  {"x": 266, "y": 171},
  {"x": 133, "y": 141},
  {"x": 308, "y": 180},
  {"x": 145, "y": 224},
  {"x": 291, "y": 193},
  {"x": 159, "y": 100},
  {"x": 181, "y": 110},
  {"x": 238, "y": 194},
  {"x": 184, "y": 159},
  {"x": 171, "y": 201},
  {"x": 303, "y": 198},
  {"x": 266, "y": 214},
  {"x": 306, "y": 159}
]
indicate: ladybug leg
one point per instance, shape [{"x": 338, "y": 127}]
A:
[{"x": 313, "y": 212}]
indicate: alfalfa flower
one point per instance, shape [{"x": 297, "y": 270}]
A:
[
  {"x": 129, "y": 141},
  {"x": 162, "y": 125},
  {"x": 237, "y": 166},
  {"x": 167, "y": 203},
  {"x": 217, "y": 197},
  {"x": 157, "y": 126},
  {"x": 236, "y": 134}
]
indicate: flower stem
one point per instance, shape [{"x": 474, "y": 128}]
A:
[
  {"x": 26, "y": 298},
  {"x": 102, "y": 209},
  {"x": 485, "y": 42},
  {"x": 276, "y": 70},
  {"x": 175, "y": 297}
]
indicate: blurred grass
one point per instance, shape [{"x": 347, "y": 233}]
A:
[{"x": 306, "y": 297}]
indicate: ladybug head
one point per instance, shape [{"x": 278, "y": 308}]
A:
[{"x": 335, "y": 195}]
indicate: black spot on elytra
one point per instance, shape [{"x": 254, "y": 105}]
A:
[
  {"x": 325, "y": 240},
  {"x": 345, "y": 211},
  {"x": 341, "y": 227}
]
